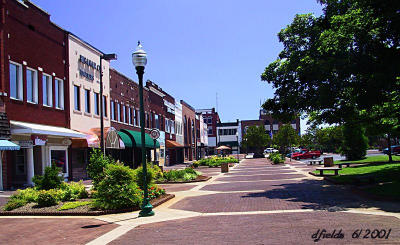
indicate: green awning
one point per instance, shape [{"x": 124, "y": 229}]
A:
[
  {"x": 136, "y": 139},
  {"x": 126, "y": 139}
]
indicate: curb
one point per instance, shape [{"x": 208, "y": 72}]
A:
[
  {"x": 185, "y": 182},
  {"x": 155, "y": 203}
]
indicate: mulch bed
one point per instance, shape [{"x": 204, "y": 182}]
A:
[
  {"x": 199, "y": 178},
  {"x": 31, "y": 210}
]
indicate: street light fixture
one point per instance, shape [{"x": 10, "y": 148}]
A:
[
  {"x": 139, "y": 59},
  {"x": 103, "y": 57}
]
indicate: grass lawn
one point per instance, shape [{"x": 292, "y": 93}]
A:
[
  {"x": 371, "y": 159},
  {"x": 386, "y": 177}
]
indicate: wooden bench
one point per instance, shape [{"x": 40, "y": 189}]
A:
[
  {"x": 321, "y": 170},
  {"x": 345, "y": 163},
  {"x": 311, "y": 162}
]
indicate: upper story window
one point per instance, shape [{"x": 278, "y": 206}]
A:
[
  {"x": 59, "y": 93},
  {"x": 16, "y": 81},
  {"x": 104, "y": 106},
  {"x": 47, "y": 90},
  {"x": 130, "y": 115},
  {"x": 77, "y": 98},
  {"x": 96, "y": 103},
  {"x": 31, "y": 85},
  {"x": 210, "y": 130},
  {"x": 118, "y": 112},
  {"x": 124, "y": 113},
  {"x": 112, "y": 110},
  {"x": 87, "y": 100},
  {"x": 209, "y": 120}
]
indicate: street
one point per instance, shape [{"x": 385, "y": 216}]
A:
[{"x": 255, "y": 203}]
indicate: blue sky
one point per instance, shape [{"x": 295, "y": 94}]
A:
[{"x": 196, "y": 49}]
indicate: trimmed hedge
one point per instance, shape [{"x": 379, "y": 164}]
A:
[{"x": 214, "y": 161}]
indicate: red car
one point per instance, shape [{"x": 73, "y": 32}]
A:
[{"x": 304, "y": 154}]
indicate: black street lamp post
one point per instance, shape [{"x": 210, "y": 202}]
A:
[
  {"x": 139, "y": 59},
  {"x": 103, "y": 57}
]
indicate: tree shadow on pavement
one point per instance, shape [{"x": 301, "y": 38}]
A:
[{"x": 321, "y": 195}]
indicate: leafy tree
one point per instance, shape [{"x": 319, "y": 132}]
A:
[
  {"x": 285, "y": 138},
  {"x": 339, "y": 65},
  {"x": 256, "y": 139},
  {"x": 355, "y": 143}
]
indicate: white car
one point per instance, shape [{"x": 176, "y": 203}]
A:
[
  {"x": 249, "y": 155},
  {"x": 270, "y": 150}
]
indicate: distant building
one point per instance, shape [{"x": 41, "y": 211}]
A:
[
  {"x": 211, "y": 118},
  {"x": 271, "y": 125},
  {"x": 228, "y": 135}
]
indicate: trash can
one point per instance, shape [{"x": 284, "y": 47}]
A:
[
  {"x": 224, "y": 168},
  {"x": 328, "y": 162}
]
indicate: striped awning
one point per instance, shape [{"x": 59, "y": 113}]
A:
[{"x": 6, "y": 145}]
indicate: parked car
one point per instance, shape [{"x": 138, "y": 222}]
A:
[
  {"x": 395, "y": 150},
  {"x": 270, "y": 150},
  {"x": 249, "y": 155},
  {"x": 304, "y": 154},
  {"x": 296, "y": 150}
]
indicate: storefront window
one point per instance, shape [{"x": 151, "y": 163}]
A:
[
  {"x": 58, "y": 157},
  {"x": 20, "y": 167}
]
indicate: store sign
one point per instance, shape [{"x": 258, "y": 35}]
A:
[
  {"x": 25, "y": 143},
  {"x": 88, "y": 62},
  {"x": 82, "y": 59},
  {"x": 39, "y": 139}
]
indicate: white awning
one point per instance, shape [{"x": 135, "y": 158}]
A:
[{"x": 32, "y": 128}]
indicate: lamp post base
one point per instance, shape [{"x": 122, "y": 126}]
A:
[{"x": 147, "y": 209}]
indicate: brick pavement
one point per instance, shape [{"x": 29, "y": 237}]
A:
[
  {"x": 51, "y": 230},
  {"x": 288, "y": 228}
]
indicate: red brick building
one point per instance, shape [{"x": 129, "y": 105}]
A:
[
  {"x": 34, "y": 80},
  {"x": 189, "y": 131},
  {"x": 124, "y": 114}
]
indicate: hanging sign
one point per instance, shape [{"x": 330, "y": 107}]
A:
[
  {"x": 154, "y": 134},
  {"x": 39, "y": 139}
]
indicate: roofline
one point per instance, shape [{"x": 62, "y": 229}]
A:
[
  {"x": 121, "y": 74},
  {"x": 85, "y": 43}
]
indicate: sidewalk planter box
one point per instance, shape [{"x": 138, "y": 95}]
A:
[{"x": 224, "y": 167}]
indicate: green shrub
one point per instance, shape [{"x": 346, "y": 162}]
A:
[
  {"x": 50, "y": 180},
  {"x": 158, "y": 174},
  {"x": 13, "y": 204},
  {"x": 189, "y": 176},
  {"x": 215, "y": 161},
  {"x": 196, "y": 164},
  {"x": 154, "y": 191},
  {"x": 138, "y": 176},
  {"x": 28, "y": 195},
  {"x": 97, "y": 163},
  {"x": 47, "y": 198},
  {"x": 276, "y": 158},
  {"x": 72, "y": 205},
  {"x": 117, "y": 189},
  {"x": 74, "y": 190},
  {"x": 186, "y": 174}
]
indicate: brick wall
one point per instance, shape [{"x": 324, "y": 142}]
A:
[{"x": 29, "y": 38}]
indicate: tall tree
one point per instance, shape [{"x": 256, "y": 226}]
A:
[
  {"x": 339, "y": 64},
  {"x": 256, "y": 139},
  {"x": 285, "y": 138}
]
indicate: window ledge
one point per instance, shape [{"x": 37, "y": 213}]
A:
[
  {"x": 77, "y": 112},
  {"x": 88, "y": 114},
  {"x": 31, "y": 102}
]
